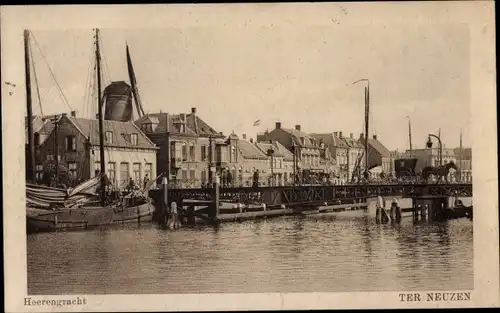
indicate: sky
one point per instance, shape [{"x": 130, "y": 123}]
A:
[{"x": 235, "y": 74}]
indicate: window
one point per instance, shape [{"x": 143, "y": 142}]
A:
[
  {"x": 184, "y": 174},
  {"x": 184, "y": 153},
  {"x": 136, "y": 168},
  {"x": 233, "y": 154},
  {"x": 39, "y": 172},
  {"x": 109, "y": 137},
  {"x": 148, "y": 170},
  {"x": 124, "y": 175},
  {"x": 191, "y": 174},
  {"x": 70, "y": 143},
  {"x": 112, "y": 171},
  {"x": 191, "y": 153},
  {"x": 134, "y": 139},
  {"x": 281, "y": 163},
  {"x": 203, "y": 176},
  {"x": 72, "y": 170},
  {"x": 147, "y": 127},
  {"x": 203, "y": 153},
  {"x": 37, "y": 139}
]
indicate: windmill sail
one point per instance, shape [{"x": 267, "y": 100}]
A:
[{"x": 133, "y": 81}]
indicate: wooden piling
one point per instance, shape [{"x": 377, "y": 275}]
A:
[
  {"x": 164, "y": 204},
  {"x": 423, "y": 212},
  {"x": 214, "y": 209}
]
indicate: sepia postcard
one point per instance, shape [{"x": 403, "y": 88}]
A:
[{"x": 249, "y": 156}]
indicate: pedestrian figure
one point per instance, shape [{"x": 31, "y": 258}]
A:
[
  {"x": 146, "y": 180},
  {"x": 130, "y": 185}
]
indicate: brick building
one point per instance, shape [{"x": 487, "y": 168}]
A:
[
  {"x": 311, "y": 155},
  {"x": 129, "y": 153},
  {"x": 378, "y": 154},
  {"x": 281, "y": 162},
  {"x": 189, "y": 149}
]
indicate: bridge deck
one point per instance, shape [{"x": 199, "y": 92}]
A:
[{"x": 315, "y": 194}]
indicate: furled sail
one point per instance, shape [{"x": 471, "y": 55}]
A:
[
  {"x": 46, "y": 197},
  {"x": 118, "y": 102}
]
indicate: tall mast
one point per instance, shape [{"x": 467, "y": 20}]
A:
[
  {"x": 31, "y": 136},
  {"x": 367, "y": 114},
  {"x": 133, "y": 82},
  {"x": 99, "y": 105},
  {"x": 409, "y": 135},
  {"x": 460, "y": 156}
]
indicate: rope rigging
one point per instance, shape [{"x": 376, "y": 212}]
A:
[
  {"x": 36, "y": 82},
  {"x": 65, "y": 100}
]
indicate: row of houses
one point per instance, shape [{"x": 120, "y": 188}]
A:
[{"x": 192, "y": 151}]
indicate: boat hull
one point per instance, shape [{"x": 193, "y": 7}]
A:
[{"x": 86, "y": 217}]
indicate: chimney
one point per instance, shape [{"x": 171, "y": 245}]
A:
[
  {"x": 220, "y": 133},
  {"x": 278, "y": 125},
  {"x": 193, "y": 110},
  {"x": 297, "y": 127},
  {"x": 375, "y": 137},
  {"x": 336, "y": 134},
  {"x": 251, "y": 140},
  {"x": 340, "y": 135},
  {"x": 244, "y": 136},
  {"x": 73, "y": 113},
  {"x": 351, "y": 135}
]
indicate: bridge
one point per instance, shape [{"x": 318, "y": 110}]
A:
[{"x": 314, "y": 194}]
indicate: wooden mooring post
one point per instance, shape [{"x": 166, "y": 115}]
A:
[
  {"x": 213, "y": 212},
  {"x": 431, "y": 208}
]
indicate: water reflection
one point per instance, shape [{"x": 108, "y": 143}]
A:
[{"x": 348, "y": 252}]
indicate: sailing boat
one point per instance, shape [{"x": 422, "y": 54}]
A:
[{"x": 52, "y": 209}]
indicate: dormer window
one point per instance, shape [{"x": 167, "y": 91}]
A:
[
  {"x": 134, "y": 138},
  {"x": 109, "y": 137},
  {"x": 149, "y": 126}
]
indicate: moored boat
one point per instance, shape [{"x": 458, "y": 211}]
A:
[{"x": 90, "y": 204}]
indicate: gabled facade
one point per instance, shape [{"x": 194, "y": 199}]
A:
[
  {"x": 129, "y": 153},
  {"x": 308, "y": 150},
  {"x": 378, "y": 154},
  {"x": 338, "y": 150},
  {"x": 355, "y": 154},
  {"x": 189, "y": 149},
  {"x": 281, "y": 162}
]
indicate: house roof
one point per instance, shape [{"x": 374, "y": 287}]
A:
[
  {"x": 279, "y": 149},
  {"x": 264, "y": 146},
  {"x": 41, "y": 124},
  {"x": 352, "y": 142},
  {"x": 195, "y": 126},
  {"x": 250, "y": 151},
  {"x": 297, "y": 134},
  {"x": 379, "y": 147},
  {"x": 330, "y": 140},
  {"x": 121, "y": 131}
]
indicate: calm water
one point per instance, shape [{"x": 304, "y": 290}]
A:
[{"x": 346, "y": 252}]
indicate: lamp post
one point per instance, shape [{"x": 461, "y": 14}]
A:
[{"x": 440, "y": 147}]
